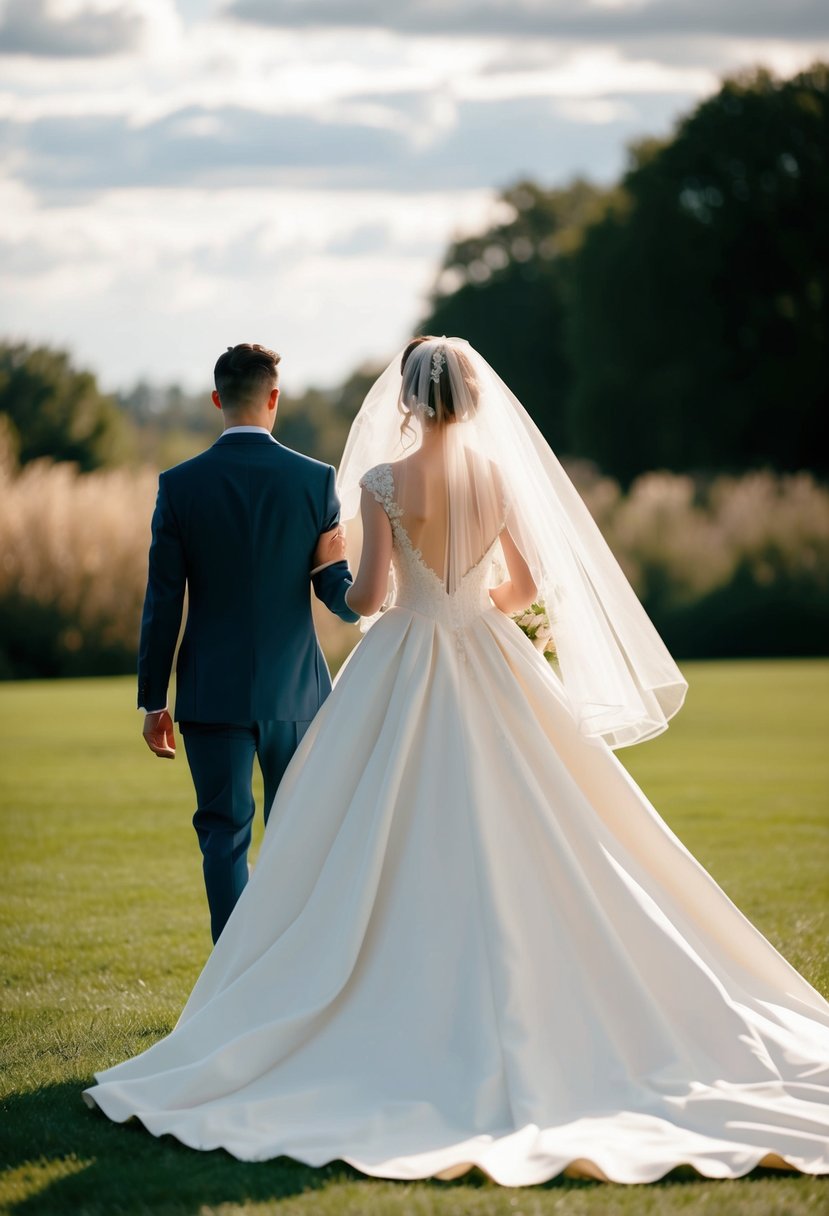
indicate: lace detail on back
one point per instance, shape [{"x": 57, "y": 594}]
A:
[{"x": 417, "y": 586}]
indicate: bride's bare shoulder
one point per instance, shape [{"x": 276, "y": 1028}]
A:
[{"x": 408, "y": 465}]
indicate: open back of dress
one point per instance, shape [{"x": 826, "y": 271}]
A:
[{"x": 452, "y": 504}]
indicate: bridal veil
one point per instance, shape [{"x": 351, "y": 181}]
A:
[{"x": 621, "y": 681}]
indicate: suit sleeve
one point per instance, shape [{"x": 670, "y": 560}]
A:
[
  {"x": 332, "y": 582},
  {"x": 163, "y": 604}
]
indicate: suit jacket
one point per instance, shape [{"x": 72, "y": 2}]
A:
[{"x": 238, "y": 526}]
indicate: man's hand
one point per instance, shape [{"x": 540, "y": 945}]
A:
[
  {"x": 158, "y": 732},
  {"x": 330, "y": 547}
]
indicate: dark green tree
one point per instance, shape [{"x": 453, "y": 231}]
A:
[
  {"x": 699, "y": 305},
  {"x": 505, "y": 291},
  {"x": 57, "y": 411}
]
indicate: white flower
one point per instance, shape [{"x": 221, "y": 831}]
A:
[{"x": 534, "y": 623}]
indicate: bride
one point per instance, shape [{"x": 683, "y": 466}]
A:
[{"x": 469, "y": 939}]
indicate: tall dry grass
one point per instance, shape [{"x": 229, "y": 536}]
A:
[
  {"x": 73, "y": 568},
  {"x": 671, "y": 533},
  {"x": 743, "y": 561}
]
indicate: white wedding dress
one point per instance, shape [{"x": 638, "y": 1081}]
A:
[{"x": 469, "y": 939}]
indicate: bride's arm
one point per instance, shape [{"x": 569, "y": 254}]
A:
[
  {"x": 519, "y": 590},
  {"x": 371, "y": 585}
]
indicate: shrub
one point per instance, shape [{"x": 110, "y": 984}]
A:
[{"x": 737, "y": 566}]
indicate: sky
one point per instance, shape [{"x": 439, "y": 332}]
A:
[{"x": 179, "y": 177}]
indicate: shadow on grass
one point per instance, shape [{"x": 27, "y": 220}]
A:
[
  {"x": 76, "y": 1160},
  {"x": 82, "y": 1162}
]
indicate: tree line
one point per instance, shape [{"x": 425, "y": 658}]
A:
[{"x": 679, "y": 320}]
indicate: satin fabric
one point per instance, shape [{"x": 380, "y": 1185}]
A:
[{"x": 469, "y": 939}]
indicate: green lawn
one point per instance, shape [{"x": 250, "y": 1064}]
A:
[{"x": 103, "y": 930}]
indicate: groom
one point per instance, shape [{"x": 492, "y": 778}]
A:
[{"x": 244, "y": 526}]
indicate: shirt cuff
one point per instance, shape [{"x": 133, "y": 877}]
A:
[
  {"x": 325, "y": 565},
  {"x": 142, "y": 710}
]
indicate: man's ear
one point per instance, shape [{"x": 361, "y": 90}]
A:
[
  {"x": 274, "y": 397},
  {"x": 214, "y": 396}
]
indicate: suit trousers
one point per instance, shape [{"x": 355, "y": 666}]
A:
[{"x": 220, "y": 755}]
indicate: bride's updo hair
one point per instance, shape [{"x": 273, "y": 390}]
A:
[{"x": 439, "y": 404}]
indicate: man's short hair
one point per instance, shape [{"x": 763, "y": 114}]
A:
[{"x": 245, "y": 374}]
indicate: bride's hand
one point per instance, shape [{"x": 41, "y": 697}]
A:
[{"x": 330, "y": 547}]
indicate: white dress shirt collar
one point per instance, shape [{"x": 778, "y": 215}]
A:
[{"x": 251, "y": 430}]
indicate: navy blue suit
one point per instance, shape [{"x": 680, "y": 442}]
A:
[{"x": 237, "y": 526}]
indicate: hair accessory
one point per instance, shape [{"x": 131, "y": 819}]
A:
[{"x": 438, "y": 361}]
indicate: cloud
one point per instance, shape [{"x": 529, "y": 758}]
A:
[
  {"x": 362, "y": 240},
  {"x": 155, "y": 283},
  {"x": 298, "y": 170},
  {"x": 567, "y": 19},
  {"x": 71, "y": 29},
  {"x": 468, "y": 143},
  {"x": 194, "y": 145}
]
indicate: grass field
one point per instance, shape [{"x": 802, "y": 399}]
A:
[{"x": 103, "y": 930}]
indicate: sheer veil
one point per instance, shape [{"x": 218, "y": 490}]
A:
[{"x": 621, "y": 681}]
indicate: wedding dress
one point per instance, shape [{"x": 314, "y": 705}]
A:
[{"x": 470, "y": 940}]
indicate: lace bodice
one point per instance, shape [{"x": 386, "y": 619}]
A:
[{"x": 417, "y": 586}]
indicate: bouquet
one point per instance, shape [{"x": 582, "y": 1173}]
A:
[{"x": 535, "y": 623}]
